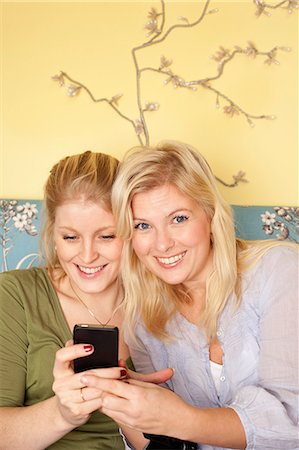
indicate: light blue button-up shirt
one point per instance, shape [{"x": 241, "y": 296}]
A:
[{"x": 259, "y": 378}]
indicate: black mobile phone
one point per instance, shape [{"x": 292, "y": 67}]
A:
[{"x": 105, "y": 343}]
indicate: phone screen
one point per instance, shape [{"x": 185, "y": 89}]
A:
[{"x": 105, "y": 343}]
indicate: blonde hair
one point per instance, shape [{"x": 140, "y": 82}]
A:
[
  {"x": 147, "y": 296},
  {"x": 87, "y": 175}
]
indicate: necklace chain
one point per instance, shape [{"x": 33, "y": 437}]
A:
[{"x": 92, "y": 313}]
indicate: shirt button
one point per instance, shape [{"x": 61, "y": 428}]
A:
[
  {"x": 222, "y": 378},
  {"x": 219, "y": 333}
]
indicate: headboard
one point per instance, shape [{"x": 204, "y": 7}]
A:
[{"x": 20, "y": 226}]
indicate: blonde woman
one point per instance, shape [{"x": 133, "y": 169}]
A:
[
  {"x": 221, "y": 311},
  {"x": 42, "y": 407}
]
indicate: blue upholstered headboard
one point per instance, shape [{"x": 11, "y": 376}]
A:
[{"x": 20, "y": 224}]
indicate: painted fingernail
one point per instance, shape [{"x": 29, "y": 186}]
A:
[
  {"x": 123, "y": 373},
  {"x": 88, "y": 348}
]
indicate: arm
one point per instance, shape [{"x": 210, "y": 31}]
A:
[
  {"x": 136, "y": 439},
  {"x": 78, "y": 413},
  {"x": 139, "y": 404},
  {"x": 53, "y": 417},
  {"x": 260, "y": 415},
  {"x": 50, "y": 420},
  {"x": 35, "y": 427},
  {"x": 45, "y": 424},
  {"x": 133, "y": 439},
  {"x": 146, "y": 373},
  {"x": 154, "y": 409},
  {"x": 269, "y": 411}
]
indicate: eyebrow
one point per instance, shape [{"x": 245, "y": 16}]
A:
[
  {"x": 65, "y": 228},
  {"x": 170, "y": 214},
  {"x": 178, "y": 210}
]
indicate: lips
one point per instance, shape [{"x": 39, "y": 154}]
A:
[
  {"x": 172, "y": 260},
  {"x": 90, "y": 270}
]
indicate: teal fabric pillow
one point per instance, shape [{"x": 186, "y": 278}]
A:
[{"x": 20, "y": 228}]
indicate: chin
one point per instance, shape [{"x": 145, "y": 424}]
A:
[{"x": 171, "y": 280}]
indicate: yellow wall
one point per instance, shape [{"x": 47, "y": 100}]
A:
[{"x": 92, "y": 42}]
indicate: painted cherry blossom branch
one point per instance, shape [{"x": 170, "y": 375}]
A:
[
  {"x": 238, "y": 178},
  {"x": 140, "y": 125},
  {"x": 156, "y": 34},
  {"x": 156, "y": 30},
  {"x": 75, "y": 88},
  {"x": 223, "y": 57},
  {"x": 264, "y": 7}
]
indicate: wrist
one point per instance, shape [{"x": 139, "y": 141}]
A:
[
  {"x": 184, "y": 424},
  {"x": 63, "y": 424}
]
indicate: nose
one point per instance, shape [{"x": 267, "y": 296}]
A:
[
  {"x": 164, "y": 241},
  {"x": 88, "y": 252}
]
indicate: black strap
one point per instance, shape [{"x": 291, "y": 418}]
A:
[{"x": 158, "y": 442}]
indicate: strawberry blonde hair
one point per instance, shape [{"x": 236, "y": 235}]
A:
[{"x": 87, "y": 175}]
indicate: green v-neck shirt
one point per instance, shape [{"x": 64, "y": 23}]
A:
[{"x": 32, "y": 329}]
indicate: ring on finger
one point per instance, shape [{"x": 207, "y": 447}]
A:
[{"x": 81, "y": 395}]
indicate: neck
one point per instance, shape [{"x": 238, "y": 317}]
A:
[
  {"x": 106, "y": 309},
  {"x": 192, "y": 310},
  {"x": 105, "y": 300},
  {"x": 196, "y": 292}
]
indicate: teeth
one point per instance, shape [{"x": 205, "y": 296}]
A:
[
  {"x": 172, "y": 259},
  {"x": 90, "y": 270}
]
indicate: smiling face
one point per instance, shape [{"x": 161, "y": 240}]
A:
[
  {"x": 172, "y": 236},
  {"x": 86, "y": 246}
]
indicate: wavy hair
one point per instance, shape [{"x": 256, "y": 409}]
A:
[
  {"x": 87, "y": 176},
  {"x": 147, "y": 296}
]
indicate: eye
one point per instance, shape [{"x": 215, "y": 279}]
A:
[
  {"x": 180, "y": 219},
  {"x": 69, "y": 238},
  {"x": 108, "y": 237},
  {"x": 141, "y": 226}
]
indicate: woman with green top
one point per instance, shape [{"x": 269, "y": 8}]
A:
[{"x": 41, "y": 407}]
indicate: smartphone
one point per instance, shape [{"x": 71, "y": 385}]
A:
[{"x": 105, "y": 343}]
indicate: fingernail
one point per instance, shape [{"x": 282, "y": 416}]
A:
[
  {"x": 88, "y": 348},
  {"x": 123, "y": 373}
]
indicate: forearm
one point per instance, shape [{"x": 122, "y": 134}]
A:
[
  {"x": 135, "y": 438},
  {"x": 219, "y": 427},
  {"x": 32, "y": 427},
  {"x": 149, "y": 408}
]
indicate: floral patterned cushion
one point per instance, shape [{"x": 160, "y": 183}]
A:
[{"x": 20, "y": 228}]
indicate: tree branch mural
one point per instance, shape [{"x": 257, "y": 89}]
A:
[
  {"x": 156, "y": 34},
  {"x": 265, "y": 8}
]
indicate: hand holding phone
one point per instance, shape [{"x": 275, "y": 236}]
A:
[{"x": 105, "y": 343}]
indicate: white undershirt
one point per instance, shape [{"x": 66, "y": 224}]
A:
[{"x": 216, "y": 370}]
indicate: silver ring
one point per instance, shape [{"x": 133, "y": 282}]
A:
[{"x": 81, "y": 394}]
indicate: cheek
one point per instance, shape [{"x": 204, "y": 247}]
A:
[
  {"x": 114, "y": 253},
  {"x": 200, "y": 236},
  {"x": 140, "y": 245},
  {"x": 63, "y": 251}
]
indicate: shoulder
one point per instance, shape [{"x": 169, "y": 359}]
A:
[
  {"x": 273, "y": 278},
  {"x": 24, "y": 278},
  {"x": 282, "y": 258},
  {"x": 282, "y": 252},
  {"x": 23, "y": 274},
  {"x": 24, "y": 289}
]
